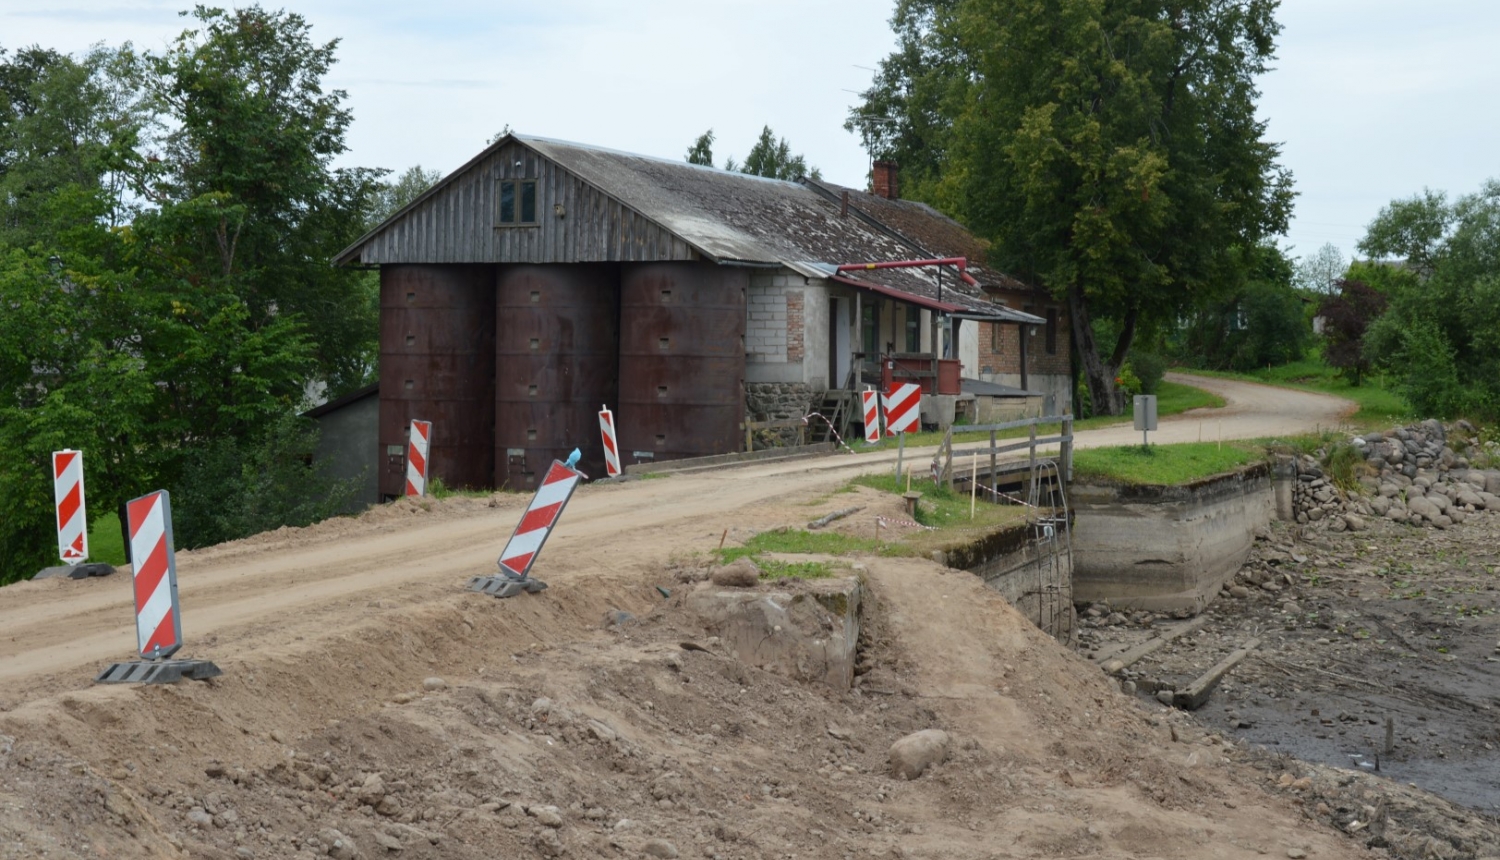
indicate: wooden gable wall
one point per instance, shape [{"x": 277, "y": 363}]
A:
[{"x": 458, "y": 223}]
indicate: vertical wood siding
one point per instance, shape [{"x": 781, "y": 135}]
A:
[{"x": 458, "y": 224}]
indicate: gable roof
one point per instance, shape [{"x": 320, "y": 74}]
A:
[{"x": 731, "y": 217}]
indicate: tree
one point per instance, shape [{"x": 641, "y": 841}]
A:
[
  {"x": 1319, "y": 272},
  {"x": 1110, "y": 148},
  {"x": 769, "y": 157},
  {"x": 1440, "y": 337},
  {"x": 390, "y": 197},
  {"x": 1346, "y": 317},
  {"x": 1260, "y": 323},
  {"x": 702, "y": 150},
  {"x": 248, "y": 197},
  {"x": 167, "y": 224}
]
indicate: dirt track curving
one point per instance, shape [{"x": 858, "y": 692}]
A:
[{"x": 325, "y": 635}]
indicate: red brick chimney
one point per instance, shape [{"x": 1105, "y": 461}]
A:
[{"x": 886, "y": 181}]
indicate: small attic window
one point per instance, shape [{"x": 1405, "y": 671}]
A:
[{"x": 517, "y": 203}]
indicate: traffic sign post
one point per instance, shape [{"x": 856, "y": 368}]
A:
[
  {"x": 158, "y": 612},
  {"x": 531, "y": 534}
]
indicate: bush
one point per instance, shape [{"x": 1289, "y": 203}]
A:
[{"x": 1150, "y": 368}]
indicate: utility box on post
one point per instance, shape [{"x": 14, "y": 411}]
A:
[{"x": 1145, "y": 414}]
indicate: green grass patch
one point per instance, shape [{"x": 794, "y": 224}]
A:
[
  {"x": 1161, "y": 464},
  {"x": 796, "y": 542},
  {"x": 1174, "y": 398},
  {"x": 1378, "y": 405},
  {"x": 799, "y": 542},
  {"x": 106, "y": 543}
]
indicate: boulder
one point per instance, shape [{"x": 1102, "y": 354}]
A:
[
  {"x": 1354, "y": 523},
  {"x": 913, "y": 754},
  {"x": 1423, "y": 506},
  {"x": 1469, "y": 497},
  {"x": 740, "y": 573},
  {"x": 1380, "y": 505},
  {"x": 1440, "y": 500}
]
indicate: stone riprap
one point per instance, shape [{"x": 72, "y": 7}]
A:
[{"x": 1425, "y": 474}]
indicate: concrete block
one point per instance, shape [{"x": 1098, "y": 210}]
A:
[
  {"x": 808, "y": 631},
  {"x": 1166, "y": 548}
]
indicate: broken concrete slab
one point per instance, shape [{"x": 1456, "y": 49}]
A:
[{"x": 807, "y": 630}]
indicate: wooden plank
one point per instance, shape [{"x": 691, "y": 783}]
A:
[
  {"x": 1115, "y": 661},
  {"x": 1197, "y": 693}
]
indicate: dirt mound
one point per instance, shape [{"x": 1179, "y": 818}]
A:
[{"x": 576, "y": 724}]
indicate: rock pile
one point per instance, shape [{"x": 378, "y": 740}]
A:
[{"x": 1410, "y": 475}]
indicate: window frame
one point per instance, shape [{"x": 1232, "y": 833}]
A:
[{"x": 518, "y": 188}]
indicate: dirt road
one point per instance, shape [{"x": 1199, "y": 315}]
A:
[{"x": 268, "y": 590}]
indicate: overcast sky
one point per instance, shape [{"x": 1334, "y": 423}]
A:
[{"x": 1373, "y": 99}]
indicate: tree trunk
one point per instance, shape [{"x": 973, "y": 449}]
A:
[{"x": 1097, "y": 373}]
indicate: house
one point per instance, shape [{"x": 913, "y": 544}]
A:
[{"x": 544, "y": 279}]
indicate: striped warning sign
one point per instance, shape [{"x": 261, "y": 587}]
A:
[
  {"x": 611, "y": 447},
  {"x": 158, "y": 617},
  {"x": 72, "y": 519},
  {"x": 417, "y": 446},
  {"x": 871, "y": 401},
  {"x": 546, "y": 506},
  {"x": 901, "y": 412}
]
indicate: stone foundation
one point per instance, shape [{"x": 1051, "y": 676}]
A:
[{"x": 776, "y": 401}]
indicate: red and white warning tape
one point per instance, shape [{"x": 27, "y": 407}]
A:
[
  {"x": 897, "y": 521},
  {"x": 835, "y": 433}
]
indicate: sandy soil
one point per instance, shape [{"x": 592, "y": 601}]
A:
[{"x": 326, "y": 635}]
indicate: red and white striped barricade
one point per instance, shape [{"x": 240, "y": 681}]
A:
[
  {"x": 611, "y": 447},
  {"x": 158, "y": 614},
  {"x": 902, "y": 411},
  {"x": 531, "y": 533},
  {"x": 871, "y": 402},
  {"x": 419, "y": 442},
  {"x": 72, "y": 518}
]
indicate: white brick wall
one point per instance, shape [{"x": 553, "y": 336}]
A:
[{"x": 765, "y": 331}]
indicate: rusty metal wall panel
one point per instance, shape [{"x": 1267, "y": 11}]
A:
[
  {"x": 437, "y": 363},
  {"x": 557, "y": 361},
  {"x": 458, "y": 224},
  {"x": 682, "y": 359}
]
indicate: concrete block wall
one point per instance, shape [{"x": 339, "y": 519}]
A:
[{"x": 787, "y": 331}]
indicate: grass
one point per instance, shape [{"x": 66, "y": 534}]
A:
[
  {"x": 947, "y": 512},
  {"x": 1171, "y": 399},
  {"x": 1162, "y": 464},
  {"x": 106, "y": 543},
  {"x": 796, "y": 542},
  {"x": 1378, "y": 405}
]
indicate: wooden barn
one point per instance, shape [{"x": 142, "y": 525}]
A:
[{"x": 544, "y": 279}]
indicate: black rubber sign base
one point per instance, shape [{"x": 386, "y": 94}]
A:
[{"x": 158, "y": 672}]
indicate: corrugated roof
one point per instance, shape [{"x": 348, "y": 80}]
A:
[{"x": 736, "y": 217}]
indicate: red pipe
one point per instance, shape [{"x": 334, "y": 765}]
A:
[{"x": 961, "y": 263}]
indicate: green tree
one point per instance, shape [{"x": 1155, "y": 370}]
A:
[
  {"x": 702, "y": 150},
  {"x": 1440, "y": 337},
  {"x": 248, "y": 194},
  {"x": 771, "y": 158},
  {"x": 1109, "y": 148},
  {"x": 390, "y": 197},
  {"x": 1261, "y": 322}
]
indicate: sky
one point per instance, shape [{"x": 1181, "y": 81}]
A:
[{"x": 1372, "y": 100}]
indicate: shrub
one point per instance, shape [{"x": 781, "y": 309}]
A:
[
  {"x": 1150, "y": 368},
  {"x": 233, "y": 488}
]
